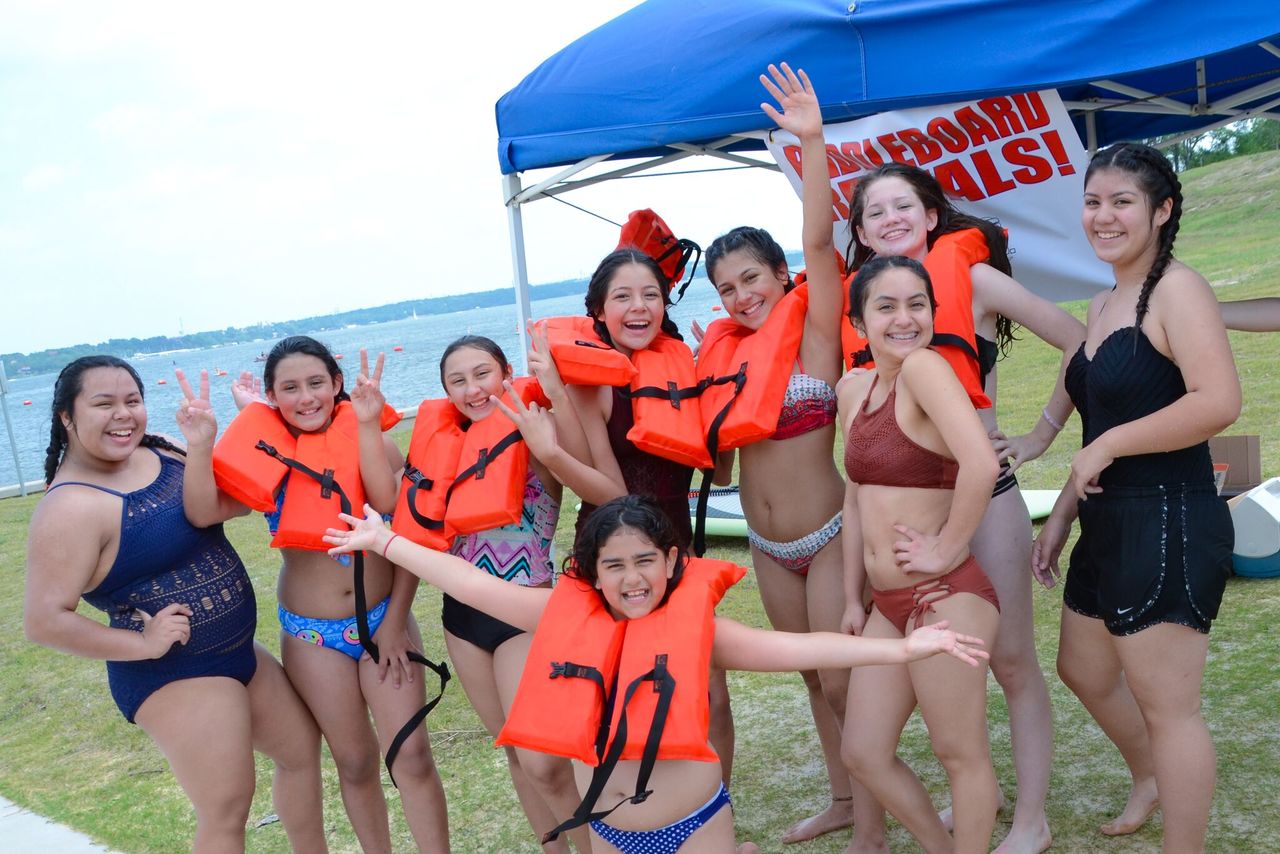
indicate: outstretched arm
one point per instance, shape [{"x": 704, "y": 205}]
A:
[
  {"x": 739, "y": 647},
  {"x": 511, "y": 603},
  {"x": 1252, "y": 315}
]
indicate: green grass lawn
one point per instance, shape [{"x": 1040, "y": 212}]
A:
[{"x": 66, "y": 753}]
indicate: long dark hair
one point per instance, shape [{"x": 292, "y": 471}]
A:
[
  {"x": 66, "y": 389},
  {"x": 757, "y": 241},
  {"x": 950, "y": 218},
  {"x": 307, "y": 346},
  {"x": 1155, "y": 177},
  {"x": 598, "y": 289},
  {"x": 636, "y": 512}
]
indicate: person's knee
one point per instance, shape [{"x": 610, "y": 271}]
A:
[
  {"x": 864, "y": 759},
  {"x": 548, "y": 773},
  {"x": 225, "y": 808},
  {"x": 357, "y": 765},
  {"x": 835, "y": 692},
  {"x": 1015, "y": 669},
  {"x": 414, "y": 761},
  {"x": 958, "y": 754},
  {"x": 1084, "y": 681}
]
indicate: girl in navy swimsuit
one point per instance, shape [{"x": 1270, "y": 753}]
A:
[
  {"x": 178, "y": 644},
  {"x": 1153, "y": 381}
]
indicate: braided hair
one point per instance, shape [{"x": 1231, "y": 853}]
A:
[
  {"x": 1154, "y": 175},
  {"x": 598, "y": 289},
  {"x": 66, "y": 389},
  {"x": 950, "y": 219}
]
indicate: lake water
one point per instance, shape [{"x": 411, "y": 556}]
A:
[{"x": 410, "y": 376}]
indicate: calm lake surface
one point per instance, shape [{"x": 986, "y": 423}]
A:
[{"x": 410, "y": 376}]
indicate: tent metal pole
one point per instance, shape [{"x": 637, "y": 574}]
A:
[
  {"x": 519, "y": 267},
  {"x": 1091, "y": 132}
]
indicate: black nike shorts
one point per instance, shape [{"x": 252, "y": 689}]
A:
[{"x": 1151, "y": 554}]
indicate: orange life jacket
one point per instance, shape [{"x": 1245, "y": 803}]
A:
[
  {"x": 648, "y": 232},
  {"x": 662, "y": 385},
  {"x": 581, "y": 357},
  {"x": 252, "y": 474},
  {"x": 747, "y": 372},
  {"x": 462, "y": 476},
  {"x": 581, "y": 655},
  {"x": 954, "y": 337},
  {"x": 240, "y": 469}
]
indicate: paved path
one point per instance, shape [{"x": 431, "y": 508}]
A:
[{"x": 23, "y": 830}]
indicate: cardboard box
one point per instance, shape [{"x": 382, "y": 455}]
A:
[{"x": 1243, "y": 455}]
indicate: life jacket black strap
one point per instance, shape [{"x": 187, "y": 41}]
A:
[
  {"x": 664, "y": 684},
  {"x": 738, "y": 379},
  {"x": 671, "y": 392},
  {"x": 329, "y": 485},
  {"x": 483, "y": 458},
  {"x": 687, "y": 249},
  {"x": 417, "y": 480},
  {"x": 949, "y": 339}
]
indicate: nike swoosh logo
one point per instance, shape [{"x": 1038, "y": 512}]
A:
[{"x": 1124, "y": 610}]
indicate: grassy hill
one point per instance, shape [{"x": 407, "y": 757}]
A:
[{"x": 65, "y": 752}]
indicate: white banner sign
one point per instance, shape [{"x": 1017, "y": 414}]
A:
[{"x": 1015, "y": 159}]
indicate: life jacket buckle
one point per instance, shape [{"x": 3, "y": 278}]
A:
[
  {"x": 417, "y": 478},
  {"x": 567, "y": 669},
  {"x": 659, "y": 673},
  {"x": 673, "y": 394},
  {"x": 327, "y": 484}
]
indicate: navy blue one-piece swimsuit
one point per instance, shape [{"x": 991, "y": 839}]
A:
[{"x": 163, "y": 559}]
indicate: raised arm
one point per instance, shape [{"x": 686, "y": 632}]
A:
[
  {"x": 380, "y": 465},
  {"x": 202, "y": 502},
  {"x": 739, "y": 647},
  {"x": 520, "y": 606},
  {"x": 802, "y": 117}
]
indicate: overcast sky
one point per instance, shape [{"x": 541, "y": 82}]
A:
[{"x": 224, "y": 164}]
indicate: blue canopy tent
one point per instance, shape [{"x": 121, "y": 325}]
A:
[{"x": 671, "y": 79}]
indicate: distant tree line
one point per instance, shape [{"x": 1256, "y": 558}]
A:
[
  {"x": 48, "y": 361},
  {"x": 1251, "y": 136}
]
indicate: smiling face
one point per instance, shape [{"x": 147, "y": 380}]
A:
[
  {"x": 632, "y": 573},
  {"x": 470, "y": 376},
  {"x": 894, "y": 220},
  {"x": 897, "y": 314},
  {"x": 748, "y": 288},
  {"x": 303, "y": 390},
  {"x": 633, "y": 308},
  {"x": 107, "y": 418},
  {"x": 1118, "y": 219}
]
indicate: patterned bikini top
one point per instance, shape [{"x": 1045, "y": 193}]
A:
[
  {"x": 877, "y": 452},
  {"x": 808, "y": 404},
  {"x": 519, "y": 552}
]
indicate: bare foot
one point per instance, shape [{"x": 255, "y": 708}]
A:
[
  {"x": 1142, "y": 803},
  {"x": 863, "y": 846},
  {"x": 1020, "y": 842},
  {"x": 949, "y": 823},
  {"x": 837, "y": 816},
  {"x": 748, "y": 848}
]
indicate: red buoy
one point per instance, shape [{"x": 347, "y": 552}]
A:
[
  {"x": 26, "y": 403},
  {"x": 398, "y": 349},
  {"x": 337, "y": 356},
  {"x": 717, "y": 308},
  {"x": 162, "y": 382}
]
